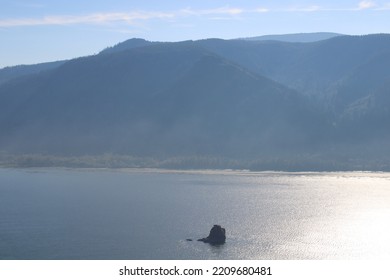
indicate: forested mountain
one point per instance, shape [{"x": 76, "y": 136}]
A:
[{"x": 321, "y": 105}]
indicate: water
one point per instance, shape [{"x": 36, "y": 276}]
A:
[{"x": 141, "y": 214}]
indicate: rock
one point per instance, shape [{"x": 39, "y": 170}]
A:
[
  {"x": 217, "y": 235},
  {"x": 189, "y": 239}
]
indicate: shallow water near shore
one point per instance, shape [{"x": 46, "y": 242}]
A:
[{"x": 149, "y": 214}]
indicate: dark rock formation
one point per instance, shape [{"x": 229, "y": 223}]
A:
[{"x": 217, "y": 235}]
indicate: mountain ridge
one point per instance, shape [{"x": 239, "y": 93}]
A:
[{"x": 295, "y": 38}]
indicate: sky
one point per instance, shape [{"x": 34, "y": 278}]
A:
[{"x": 33, "y": 31}]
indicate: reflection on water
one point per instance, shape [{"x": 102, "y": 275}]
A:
[{"x": 145, "y": 214}]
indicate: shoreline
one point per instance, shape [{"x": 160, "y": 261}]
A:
[
  {"x": 287, "y": 163},
  {"x": 227, "y": 172}
]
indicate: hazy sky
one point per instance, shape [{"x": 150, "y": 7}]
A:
[{"x": 34, "y": 31}]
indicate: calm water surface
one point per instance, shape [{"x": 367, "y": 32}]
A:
[{"x": 140, "y": 214}]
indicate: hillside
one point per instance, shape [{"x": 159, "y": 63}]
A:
[
  {"x": 210, "y": 103},
  {"x": 175, "y": 99}
]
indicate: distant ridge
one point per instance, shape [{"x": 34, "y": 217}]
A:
[
  {"x": 296, "y": 38},
  {"x": 11, "y": 72}
]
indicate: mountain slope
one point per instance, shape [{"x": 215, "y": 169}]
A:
[
  {"x": 168, "y": 99},
  {"x": 363, "y": 81},
  {"x": 310, "y": 68}
]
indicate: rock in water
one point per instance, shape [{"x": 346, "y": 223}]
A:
[{"x": 217, "y": 235}]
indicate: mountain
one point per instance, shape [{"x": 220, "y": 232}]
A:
[
  {"x": 210, "y": 103},
  {"x": 174, "y": 99},
  {"x": 296, "y": 38},
  {"x": 310, "y": 68}
]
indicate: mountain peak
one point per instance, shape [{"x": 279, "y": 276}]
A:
[{"x": 128, "y": 44}]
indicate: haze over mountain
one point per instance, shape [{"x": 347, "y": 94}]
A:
[
  {"x": 213, "y": 103},
  {"x": 296, "y": 38}
]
